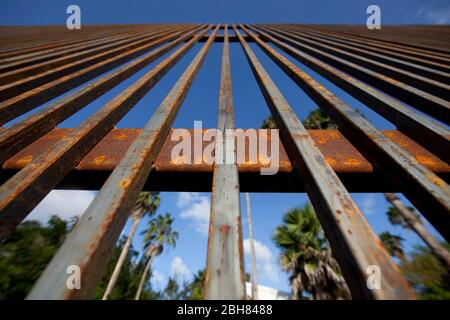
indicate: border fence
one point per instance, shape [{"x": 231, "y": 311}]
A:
[{"x": 401, "y": 73}]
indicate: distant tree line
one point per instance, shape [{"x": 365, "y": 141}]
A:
[
  {"x": 306, "y": 256},
  {"x": 28, "y": 250}
]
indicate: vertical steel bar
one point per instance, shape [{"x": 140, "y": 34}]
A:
[
  {"x": 225, "y": 275},
  {"x": 353, "y": 242},
  {"x": 32, "y": 80},
  {"x": 42, "y": 55},
  {"x": 399, "y": 62},
  {"x": 26, "y": 131},
  {"x": 20, "y": 104},
  {"x": 30, "y": 185},
  {"x": 436, "y": 88},
  {"x": 428, "y": 103},
  {"x": 40, "y": 62},
  {"x": 407, "y": 47},
  {"x": 90, "y": 244},
  {"x": 425, "y": 189},
  {"x": 410, "y": 122},
  {"x": 384, "y": 50},
  {"x": 48, "y": 46}
]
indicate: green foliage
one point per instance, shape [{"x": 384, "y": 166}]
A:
[
  {"x": 306, "y": 255},
  {"x": 392, "y": 243},
  {"x": 27, "y": 251},
  {"x": 318, "y": 119},
  {"x": 175, "y": 290},
  {"x": 25, "y": 254},
  {"x": 185, "y": 290},
  {"x": 269, "y": 123},
  {"x": 427, "y": 275},
  {"x": 398, "y": 219},
  {"x": 149, "y": 201},
  {"x": 160, "y": 232},
  {"x": 128, "y": 280},
  {"x": 300, "y": 229},
  {"x": 196, "y": 288}
]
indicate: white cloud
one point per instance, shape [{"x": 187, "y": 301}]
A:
[
  {"x": 63, "y": 203},
  {"x": 186, "y": 198},
  {"x": 270, "y": 271},
  {"x": 434, "y": 15},
  {"x": 179, "y": 269},
  {"x": 196, "y": 208},
  {"x": 265, "y": 263},
  {"x": 262, "y": 252},
  {"x": 157, "y": 280},
  {"x": 367, "y": 204}
]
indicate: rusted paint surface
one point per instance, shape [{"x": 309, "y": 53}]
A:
[
  {"x": 340, "y": 154},
  {"x": 30, "y": 79},
  {"x": 225, "y": 270},
  {"x": 420, "y": 65},
  {"x": 78, "y": 73},
  {"x": 40, "y": 61},
  {"x": 412, "y": 123},
  {"x": 38, "y": 64},
  {"x": 90, "y": 244},
  {"x": 34, "y": 126},
  {"x": 410, "y": 39},
  {"x": 429, "y": 193},
  {"x": 409, "y": 73},
  {"x": 335, "y": 208},
  {"x": 20, "y": 194},
  {"x": 41, "y": 54},
  {"x": 436, "y": 107}
]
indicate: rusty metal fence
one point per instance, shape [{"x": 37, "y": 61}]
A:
[{"x": 402, "y": 73}]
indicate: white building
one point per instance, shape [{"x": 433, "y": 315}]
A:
[{"x": 267, "y": 293}]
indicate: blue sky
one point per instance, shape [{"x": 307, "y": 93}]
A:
[
  {"x": 303, "y": 11},
  {"x": 191, "y": 210}
]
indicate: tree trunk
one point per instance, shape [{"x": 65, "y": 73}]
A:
[
  {"x": 252, "y": 249},
  {"x": 416, "y": 225},
  {"x": 137, "y": 216},
  {"x": 144, "y": 275},
  {"x": 403, "y": 259}
]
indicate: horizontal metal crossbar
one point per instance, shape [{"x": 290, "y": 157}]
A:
[
  {"x": 352, "y": 167},
  {"x": 401, "y": 73}
]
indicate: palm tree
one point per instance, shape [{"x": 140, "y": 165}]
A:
[
  {"x": 148, "y": 202},
  {"x": 197, "y": 287},
  {"x": 307, "y": 257},
  {"x": 393, "y": 245},
  {"x": 269, "y": 123},
  {"x": 158, "y": 234},
  {"x": 408, "y": 218},
  {"x": 318, "y": 119},
  {"x": 252, "y": 249},
  {"x": 398, "y": 214}
]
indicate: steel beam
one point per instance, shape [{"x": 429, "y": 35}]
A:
[
  {"x": 354, "y": 244},
  {"x": 225, "y": 270},
  {"x": 426, "y": 190},
  {"x": 412, "y": 123},
  {"x": 29, "y": 186},
  {"x": 90, "y": 244},
  {"x": 437, "y": 107},
  {"x": 34, "y": 126},
  {"x": 81, "y": 72}
]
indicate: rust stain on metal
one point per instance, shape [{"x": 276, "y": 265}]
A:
[
  {"x": 340, "y": 154},
  {"x": 400, "y": 62},
  {"x": 99, "y": 159},
  {"x": 225, "y": 229}
]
